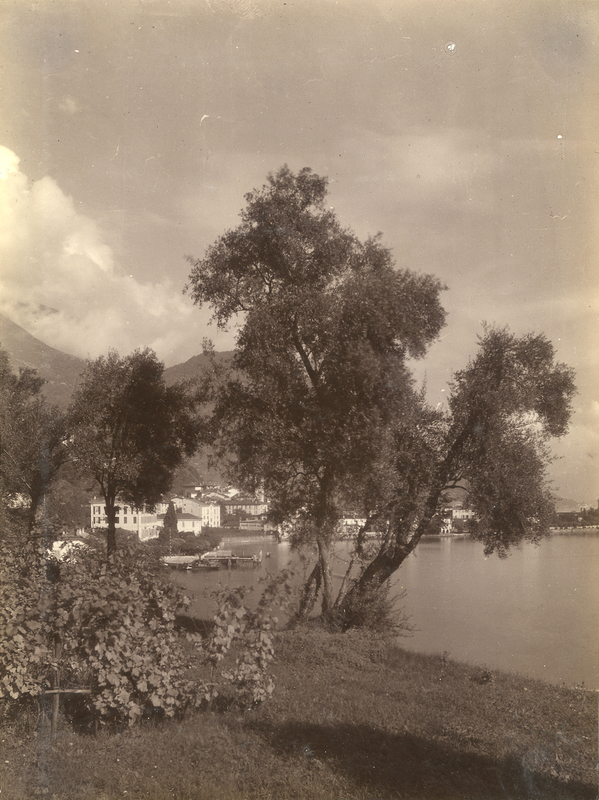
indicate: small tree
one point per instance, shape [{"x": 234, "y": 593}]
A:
[
  {"x": 169, "y": 527},
  {"x": 33, "y": 446},
  {"x": 130, "y": 431}
]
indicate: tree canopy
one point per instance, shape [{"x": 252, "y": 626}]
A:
[
  {"x": 130, "y": 431},
  {"x": 320, "y": 407},
  {"x": 32, "y": 440}
]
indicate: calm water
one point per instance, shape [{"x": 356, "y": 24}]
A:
[{"x": 536, "y": 612}]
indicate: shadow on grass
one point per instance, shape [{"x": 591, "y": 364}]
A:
[{"x": 388, "y": 765}]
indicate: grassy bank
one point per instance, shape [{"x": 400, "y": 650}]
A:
[{"x": 351, "y": 718}]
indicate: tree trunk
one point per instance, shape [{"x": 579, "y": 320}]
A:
[
  {"x": 406, "y": 536},
  {"x": 407, "y": 531},
  {"x": 325, "y": 572},
  {"x": 309, "y": 594},
  {"x": 111, "y": 531}
]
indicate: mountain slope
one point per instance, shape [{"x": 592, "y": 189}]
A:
[
  {"x": 194, "y": 366},
  {"x": 59, "y": 370}
]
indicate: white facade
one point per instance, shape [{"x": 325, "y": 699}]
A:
[
  {"x": 143, "y": 523},
  {"x": 186, "y": 523},
  {"x": 208, "y": 512},
  {"x": 462, "y": 513},
  {"x": 247, "y": 505},
  {"x": 210, "y": 515},
  {"x": 349, "y": 527}
]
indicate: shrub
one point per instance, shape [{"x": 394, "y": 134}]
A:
[
  {"x": 109, "y": 629},
  {"x": 24, "y": 647},
  {"x": 116, "y": 627},
  {"x": 374, "y": 610},
  {"x": 252, "y": 631}
]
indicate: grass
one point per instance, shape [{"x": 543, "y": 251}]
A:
[{"x": 353, "y": 717}]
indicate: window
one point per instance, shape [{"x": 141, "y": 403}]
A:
[
  {"x": 135, "y": 520},
  {"x": 124, "y": 520}
]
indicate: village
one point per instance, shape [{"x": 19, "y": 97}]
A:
[{"x": 202, "y": 509}]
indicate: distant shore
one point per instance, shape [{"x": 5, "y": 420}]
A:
[{"x": 245, "y": 538}]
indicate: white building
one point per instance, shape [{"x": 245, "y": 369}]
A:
[
  {"x": 208, "y": 512},
  {"x": 140, "y": 521},
  {"x": 246, "y": 505},
  {"x": 349, "y": 527},
  {"x": 192, "y": 516},
  {"x": 462, "y": 513},
  {"x": 186, "y": 523}
]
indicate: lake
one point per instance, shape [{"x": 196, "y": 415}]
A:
[{"x": 535, "y": 613}]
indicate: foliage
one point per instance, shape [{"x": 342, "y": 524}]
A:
[
  {"x": 169, "y": 529},
  {"x": 375, "y": 610},
  {"x": 32, "y": 436},
  {"x": 210, "y": 538},
  {"x": 25, "y": 591},
  {"x": 320, "y": 365},
  {"x": 112, "y": 632},
  {"x": 321, "y": 408},
  {"x": 109, "y": 631},
  {"x": 119, "y": 639},
  {"x": 575, "y": 519},
  {"x": 68, "y": 500},
  {"x": 201, "y": 543},
  {"x": 130, "y": 431},
  {"x": 188, "y": 543},
  {"x": 492, "y": 442},
  {"x": 253, "y": 631}
]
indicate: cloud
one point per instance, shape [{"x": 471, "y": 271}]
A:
[{"x": 54, "y": 256}]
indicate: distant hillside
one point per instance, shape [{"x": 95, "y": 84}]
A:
[
  {"x": 59, "y": 370},
  {"x": 565, "y": 505},
  {"x": 193, "y": 367},
  {"x": 199, "y": 468}
]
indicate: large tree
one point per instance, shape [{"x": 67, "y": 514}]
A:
[
  {"x": 33, "y": 446},
  {"x": 130, "y": 431},
  {"x": 320, "y": 407},
  {"x": 320, "y": 365}
]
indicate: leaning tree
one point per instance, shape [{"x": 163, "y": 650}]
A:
[
  {"x": 130, "y": 431},
  {"x": 320, "y": 407}
]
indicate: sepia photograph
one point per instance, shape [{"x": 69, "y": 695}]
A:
[{"x": 299, "y": 413}]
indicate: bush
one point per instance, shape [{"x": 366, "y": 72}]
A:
[
  {"x": 249, "y": 675},
  {"x": 109, "y": 629},
  {"x": 25, "y": 587},
  {"x": 375, "y": 611},
  {"x": 106, "y": 628}
]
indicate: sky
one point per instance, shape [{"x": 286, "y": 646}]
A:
[{"x": 466, "y": 132}]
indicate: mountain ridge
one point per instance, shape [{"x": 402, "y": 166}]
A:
[{"x": 61, "y": 371}]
